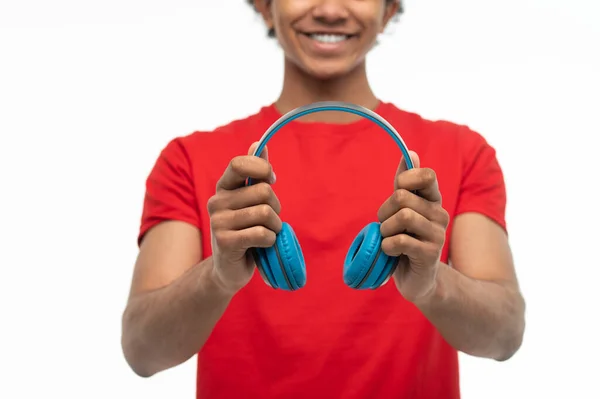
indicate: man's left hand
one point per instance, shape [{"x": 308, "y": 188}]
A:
[{"x": 413, "y": 227}]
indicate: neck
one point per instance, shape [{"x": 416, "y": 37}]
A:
[{"x": 300, "y": 89}]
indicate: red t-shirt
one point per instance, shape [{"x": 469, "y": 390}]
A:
[{"x": 326, "y": 340}]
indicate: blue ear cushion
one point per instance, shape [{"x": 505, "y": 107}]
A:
[
  {"x": 362, "y": 255},
  {"x": 387, "y": 269},
  {"x": 262, "y": 262},
  {"x": 291, "y": 256},
  {"x": 283, "y": 263},
  {"x": 272, "y": 255}
]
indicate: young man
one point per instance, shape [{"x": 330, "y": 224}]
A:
[{"x": 195, "y": 289}]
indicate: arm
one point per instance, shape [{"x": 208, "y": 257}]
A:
[
  {"x": 175, "y": 300},
  {"x": 476, "y": 305}
]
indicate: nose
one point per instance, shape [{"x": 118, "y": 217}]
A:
[{"x": 330, "y": 11}]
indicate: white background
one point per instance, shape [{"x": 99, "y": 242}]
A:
[{"x": 90, "y": 92}]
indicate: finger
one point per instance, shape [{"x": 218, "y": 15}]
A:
[
  {"x": 407, "y": 221},
  {"x": 243, "y": 167},
  {"x": 402, "y": 167},
  {"x": 401, "y": 199},
  {"x": 264, "y": 154},
  {"x": 242, "y": 240},
  {"x": 423, "y": 181},
  {"x": 244, "y": 197},
  {"x": 259, "y": 215},
  {"x": 403, "y": 244}
]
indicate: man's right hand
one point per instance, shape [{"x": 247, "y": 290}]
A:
[{"x": 242, "y": 218}]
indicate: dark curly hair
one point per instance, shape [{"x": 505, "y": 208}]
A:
[{"x": 271, "y": 32}]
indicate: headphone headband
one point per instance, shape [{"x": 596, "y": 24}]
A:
[{"x": 334, "y": 106}]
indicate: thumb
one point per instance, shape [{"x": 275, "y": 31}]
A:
[
  {"x": 264, "y": 153},
  {"x": 403, "y": 166}
]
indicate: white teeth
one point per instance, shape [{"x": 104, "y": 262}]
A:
[{"x": 328, "y": 38}]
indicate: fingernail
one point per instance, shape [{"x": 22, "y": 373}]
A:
[{"x": 273, "y": 177}]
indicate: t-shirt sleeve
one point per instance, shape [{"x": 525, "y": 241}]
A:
[
  {"x": 482, "y": 186},
  {"x": 170, "y": 193}
]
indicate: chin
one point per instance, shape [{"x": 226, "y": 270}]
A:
[{"x": 328, "y": 70}]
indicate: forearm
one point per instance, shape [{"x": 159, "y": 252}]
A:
[
  {"x": 166, "y": 327},
  {"x": 480, "y": 318}
]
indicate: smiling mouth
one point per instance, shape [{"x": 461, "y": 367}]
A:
[{"x": 329, "y": 38}]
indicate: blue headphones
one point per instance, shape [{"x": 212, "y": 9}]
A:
[{"x": 366, "y": 266}]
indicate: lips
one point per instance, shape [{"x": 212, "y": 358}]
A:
[
  {"x": 329, "y": 38},
  {"x": 327, "y": 44}
]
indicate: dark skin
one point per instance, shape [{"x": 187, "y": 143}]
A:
[
  {"x": 177, "y": 296},
  {"x": 311, "y": 77}
]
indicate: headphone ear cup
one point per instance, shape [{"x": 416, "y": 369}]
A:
[
  {"x": 283, "y": 264},
  {"x": 366, "y": 266},
  {"x": 291, "y": 256},
  {"x": 264, "y": 268}
]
